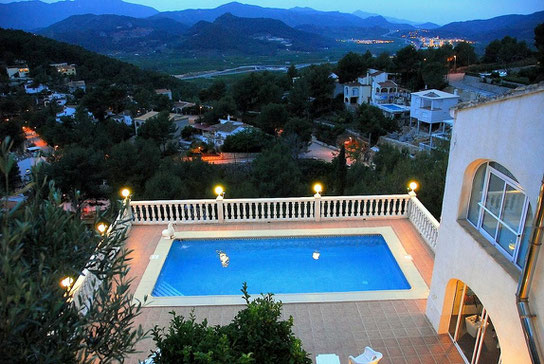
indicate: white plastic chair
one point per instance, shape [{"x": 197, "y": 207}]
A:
[{"x": 369, "y": 356}]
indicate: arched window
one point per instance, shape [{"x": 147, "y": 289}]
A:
[{"x": 500, "y": 210}]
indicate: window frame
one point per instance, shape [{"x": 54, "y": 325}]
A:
[{"x": 482, "y": 210}]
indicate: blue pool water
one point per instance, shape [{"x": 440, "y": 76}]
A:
[
  {"x": 392, "y": 107},
  {"x": 280, "y": 265}
]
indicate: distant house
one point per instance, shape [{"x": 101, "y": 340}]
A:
[
  {"x": 30, "y": 89},
  {"x": 75, "y": 85},
  {"x": 357, "y": 93},
  {"x": 58, "y": 98},
  {"x": 67, "y": 111},
  {"x": 165, "y": 92},
  {"x": 432, "y": 107},
  {"x": 18, "y": 72},
  {"x": 179, "y": 120},
  {"x": 123, "y": 118},
  {"x": 65, "y": 68},
  {"x": 226, "y": 127},
  {"x": 179, "y": 106},
  {"x": 376, "y": 87}
]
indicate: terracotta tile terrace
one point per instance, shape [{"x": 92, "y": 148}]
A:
[{"x": 397, "y": 328}]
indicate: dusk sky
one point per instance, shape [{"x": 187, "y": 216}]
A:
[{"x": 441, "y": 12}]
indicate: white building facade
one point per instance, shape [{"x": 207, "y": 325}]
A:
[
  {"x": 431, "y": 107},
  {"x": 374, "y": 88},
  {"x": 493, "y": 181}
]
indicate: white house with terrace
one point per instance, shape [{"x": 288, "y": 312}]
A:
[
  {"x": 432, "y": 108},
  {"x": 376, "y": 87},
  {"x": 226, "y": 127}
]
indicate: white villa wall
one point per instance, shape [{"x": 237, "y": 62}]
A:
[
  {"x": 511, "y": 132},
  {"x": 363, "y": 93}
]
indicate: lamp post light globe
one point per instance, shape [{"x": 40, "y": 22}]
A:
[
  {"x": 412, "y": 186},
  {"x": 125, "y": 192},
  {"x": 101, "y": 227},
  {"x": 67, "y": 282},
  {"x": 219, "y": 191},
  {"x": 318, "y": 188}
]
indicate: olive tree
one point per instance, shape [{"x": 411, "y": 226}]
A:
[{"x": 41, "y": 320}]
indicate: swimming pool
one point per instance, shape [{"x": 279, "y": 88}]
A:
[
  {"x": 393, "y": 107},
  {"x": 179, "y": 274},
  {"x": 315, "y": 264}
]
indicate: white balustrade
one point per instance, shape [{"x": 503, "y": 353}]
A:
[
  {"x": 289, "y": 209},
  {"x": 423, "y": 221},
  {"x": 182, "y": 211},
  {"x": 84, "y": 288},
  {"x": 269, "y": 209},
  {"x": 364, "y": 207}
]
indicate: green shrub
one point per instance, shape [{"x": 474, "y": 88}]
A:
[{"x": 255, "y": 335}]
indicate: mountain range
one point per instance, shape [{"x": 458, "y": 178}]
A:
[
  {"x": 107, "y": 33},
  {"x": 32, "y": 15},
  {"x": 227, "y": 34},
  {"x": 118, "y": 26},
  {"x": 519, "y": 26}
]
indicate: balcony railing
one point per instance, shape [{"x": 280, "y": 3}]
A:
[{"x": 317, "y": 208}]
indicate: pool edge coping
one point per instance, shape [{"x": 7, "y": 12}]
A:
[{"x": 419, "y": 289}]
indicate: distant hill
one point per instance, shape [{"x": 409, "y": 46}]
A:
[
  {"x": 380, "y": 21},
  {"x": 106, "y": 33},
  {"x": 251, "y": 36},
  {"x": 519, "y": 26},
  {"x": 32, "y": 15},
  {"x": 345, "y": 32},
  {"x": 427, "y": 25},
  {"x": 392, "y": 20},
  {"x": 292, "y": 17},
  {"x": 227, "y": 34}
]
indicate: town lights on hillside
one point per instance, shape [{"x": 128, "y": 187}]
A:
[
  {"x": 102, "y": 227},
  {"x": 125, "y": 192},
  {"x": 66, "y": 282},
  {"x": 318, "y": 188}
]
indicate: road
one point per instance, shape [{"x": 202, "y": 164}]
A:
[
  {"x": 243, "y": 69},
  {"x": 33, "y": 137},
  {"x": 317, "y": 151}
]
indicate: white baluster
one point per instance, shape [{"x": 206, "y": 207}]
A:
[
  {"x": 152, "y": 207},
  {"x": 171, "y": 216}
]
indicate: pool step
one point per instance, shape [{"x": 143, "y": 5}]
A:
[{"x": 164, "y": 289}]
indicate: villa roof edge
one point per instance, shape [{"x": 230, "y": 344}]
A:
[{"x": 518, "y": 92}]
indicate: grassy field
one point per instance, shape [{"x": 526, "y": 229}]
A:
[{"x": 177, "y": 62}]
